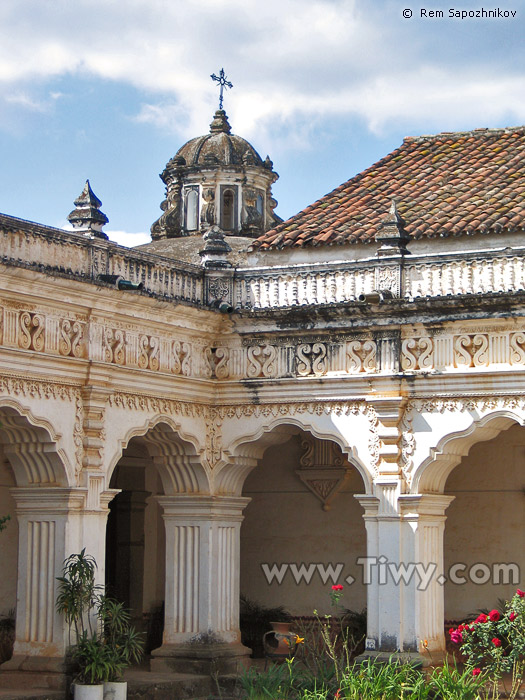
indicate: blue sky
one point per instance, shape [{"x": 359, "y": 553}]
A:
[{"x": 109, "y": 90}]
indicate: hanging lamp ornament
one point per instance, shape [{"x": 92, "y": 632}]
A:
[{"x": 221, "y": 79}]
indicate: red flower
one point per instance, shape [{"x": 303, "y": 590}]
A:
[
  {"x": 520, "y": 593},
  {"x": 476, "y": 672},
  {"x": 496, "y": 641},
  {"x": 481, "y": 618},
  {"x": 337, "y": 587},
  {"x": 461, "y": 628},
  {"x": 512, "y": 616},
  {"x": 494, "y": 615}
]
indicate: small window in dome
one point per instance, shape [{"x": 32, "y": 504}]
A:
[
  {"x": 260, "y": 204},
  {"x": 228, "y": 209},
  {"x": 192, "y": 209}
]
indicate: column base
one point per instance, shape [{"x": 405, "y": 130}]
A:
[
  {"x": 200, "y": 658},
  {"x": 29, "y": 672},
  {"x": 413, "y": 658}
]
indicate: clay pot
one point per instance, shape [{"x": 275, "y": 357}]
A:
[{"x": 279, "y": 641}]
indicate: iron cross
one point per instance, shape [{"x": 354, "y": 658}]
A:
[{"x": 221, "y": 79}]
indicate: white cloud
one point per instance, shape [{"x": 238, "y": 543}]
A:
[
  {"x": 297, "y": 61},
  {"x": 25, "y": 101},
  {"x": 125, "y": 238}
]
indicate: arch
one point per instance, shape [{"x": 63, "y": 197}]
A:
[
  {"x": 246, "y": 450},
  {"x": 30, "y": 444},
  {"x": 431, "y": 475},
  {"x": 174, "y": 453}
]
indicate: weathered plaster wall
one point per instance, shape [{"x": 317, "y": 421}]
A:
[
  {"x": 486, "y": 521},
  {"x": 285, "y": 523},
  {"x": 8, "y": 539}
]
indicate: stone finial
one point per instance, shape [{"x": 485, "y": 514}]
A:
[
  {"x": 216, "y": 249},
  {"x": 86, "y": 217},
  {"x": 392, "y": 233},
  {"x": 220, "y": 123}
]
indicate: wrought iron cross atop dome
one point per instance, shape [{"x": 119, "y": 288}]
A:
[{"x": 221, "y": 79}]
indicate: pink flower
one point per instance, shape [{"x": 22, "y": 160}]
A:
[
  {"x": 494, "y": 615},
  {"x": 476, "y": 672},
  {"x": 481, "y": 618},
  {"x": 456, "y": 636},
  {"x": 496, "y": 641},
  {"x": 520, "y": 593},
  {"x": 512, "y": 616},
  {"x": 337, "y": 587}
]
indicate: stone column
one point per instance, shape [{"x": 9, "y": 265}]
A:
[
  {"x": 424, "y": 524},
  {"x": 53, "y": 523},
  {"x": 201, "y": 624},
  {"x": 402, "y": 570},
  {"x": 384, "y": 597}
]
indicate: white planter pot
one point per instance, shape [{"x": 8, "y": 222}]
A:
[
  {"x": 88, "y": 692},
  {"x": 115, "y": 690}
]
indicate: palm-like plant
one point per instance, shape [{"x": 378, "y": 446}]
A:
[{"x": 105, "y": 643}]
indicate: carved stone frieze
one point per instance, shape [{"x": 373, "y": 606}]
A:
[{"x": 463, "y": 350}]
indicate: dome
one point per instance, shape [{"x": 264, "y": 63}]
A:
[
  {"x": 217, "y": 180},
  {"x": 219, "y": 147}
]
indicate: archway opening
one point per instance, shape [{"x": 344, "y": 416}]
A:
[
  {"x": 135, "y": 541},
  {"x": 29, "y": 461},
  {"x": 303, "y": 531},
  {"x": 9, "y": 548},
  {"x": 484, "y": 546}
]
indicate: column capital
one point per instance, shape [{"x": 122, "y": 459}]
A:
[
  {"x": 369, "y": 503},
  {"x": 198, "y": 508},
  {"x": 51, "y": 500},
  {"x": 427, "y": 505}
]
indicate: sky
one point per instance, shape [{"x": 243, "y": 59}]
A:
[{"x": 110, "y": 89}]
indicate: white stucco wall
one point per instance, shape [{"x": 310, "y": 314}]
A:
[
  {"x": 486, "y": 521},
  {"x": 286, "y": 523}
]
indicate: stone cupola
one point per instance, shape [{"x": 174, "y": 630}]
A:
[{"x": 217, "y": 180}]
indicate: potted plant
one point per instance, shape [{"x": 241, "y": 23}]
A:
[
  {"x": 124, "y": 646},
  {"x": 105, "y": 643}
]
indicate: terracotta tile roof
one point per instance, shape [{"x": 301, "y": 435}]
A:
[{"x": 445, "y": 185}]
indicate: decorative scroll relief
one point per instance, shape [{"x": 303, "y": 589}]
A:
[
  {"x": 311, "y": 359},
  {"x": 261, "y": 361},
  {"x": 463, "y": 350},
  {"x": 30, "y": 330},
  {"x": 361, "y": 356}
]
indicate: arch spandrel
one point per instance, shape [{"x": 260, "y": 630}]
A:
[
  {"x": 34, "y": 448},
  {"x": 444, "y": 433},
  {"x": 244, "y": 450},
  {"x": 174, "y": 451}
]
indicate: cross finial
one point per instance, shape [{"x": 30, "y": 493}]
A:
[{"x": 221, "y": 79}]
